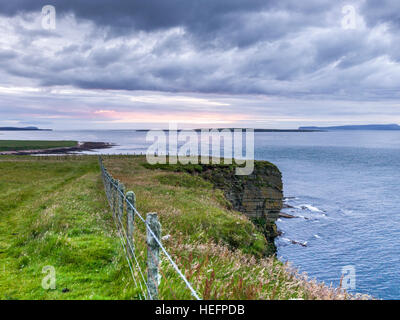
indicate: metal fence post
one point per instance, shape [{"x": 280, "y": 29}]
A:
[
  {"x": 107, "y": 184},
  {"x": 121, "y": 200},
  {"x": 114, "y": 196},
  {"x": 153, "y": 255},
  {"x": 130, "y": 215}
]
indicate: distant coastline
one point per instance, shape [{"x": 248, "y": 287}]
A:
[
  {"x": 79, "y": 147},
  {"x": 255, "y": 130},
  {"x": 23, "y": 129},
  {"x": 380, "y": 127}
]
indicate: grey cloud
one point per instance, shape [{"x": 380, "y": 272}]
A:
[
  {"x": 7, "y": 54},
  {"x": 383, "y": 11},
  {"x": 220, "y": 22},
  {"x": 286, "y": 48}
]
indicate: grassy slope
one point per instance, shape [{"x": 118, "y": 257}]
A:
[
  {"x": 219, "y": 249},
  {"x": 16, "y": 145},
  {"x": 54, "y": 212}
]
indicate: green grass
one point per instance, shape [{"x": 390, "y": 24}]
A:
[
  {"x": 18, "y": 145},
  {"x": 199, "y": 167},
  {"x": 53, "y": 212}
]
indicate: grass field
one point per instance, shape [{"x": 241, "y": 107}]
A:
[
  {"x": 53, "y": 212},
  {"x": 17, "y": 145}
]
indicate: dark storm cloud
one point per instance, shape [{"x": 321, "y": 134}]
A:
[
  {"x": 286, "y": 48},
  {"x": 145, "y": 15},
  {"x": 236, "y": 22}
]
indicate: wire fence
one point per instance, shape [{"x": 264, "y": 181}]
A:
[{"x": 154, "y": 272}]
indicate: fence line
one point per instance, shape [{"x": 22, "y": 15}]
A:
[{"x": 118, "y": 201}]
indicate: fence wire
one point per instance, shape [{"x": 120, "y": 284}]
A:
[{"x": 136, "y": 249}]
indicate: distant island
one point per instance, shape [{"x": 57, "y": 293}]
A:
[
  {"x": 23, "y": 129},
  {"x": 269, "y": 130},
  {"x": 356, "y": 127},
  {"x": 255, "y": 130}
]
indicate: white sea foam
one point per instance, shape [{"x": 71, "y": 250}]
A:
[{"x": 309, "y": 207}]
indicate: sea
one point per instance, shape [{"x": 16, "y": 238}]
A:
[{"x": 343, "y": 187}]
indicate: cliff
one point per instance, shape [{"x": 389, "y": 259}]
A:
[{"x": 259, "y": 196}]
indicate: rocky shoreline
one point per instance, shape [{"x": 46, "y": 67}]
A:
[{"x": 81, "y": 146}]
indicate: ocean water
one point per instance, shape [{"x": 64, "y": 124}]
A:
[
  {"x": 343, "y": 187},
  {"x": 346, "y": 191}
]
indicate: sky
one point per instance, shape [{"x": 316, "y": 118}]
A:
[{"x": 99, "y": 64}]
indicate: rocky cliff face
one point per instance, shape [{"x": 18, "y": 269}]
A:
[{"x": 259, "y": 195}]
